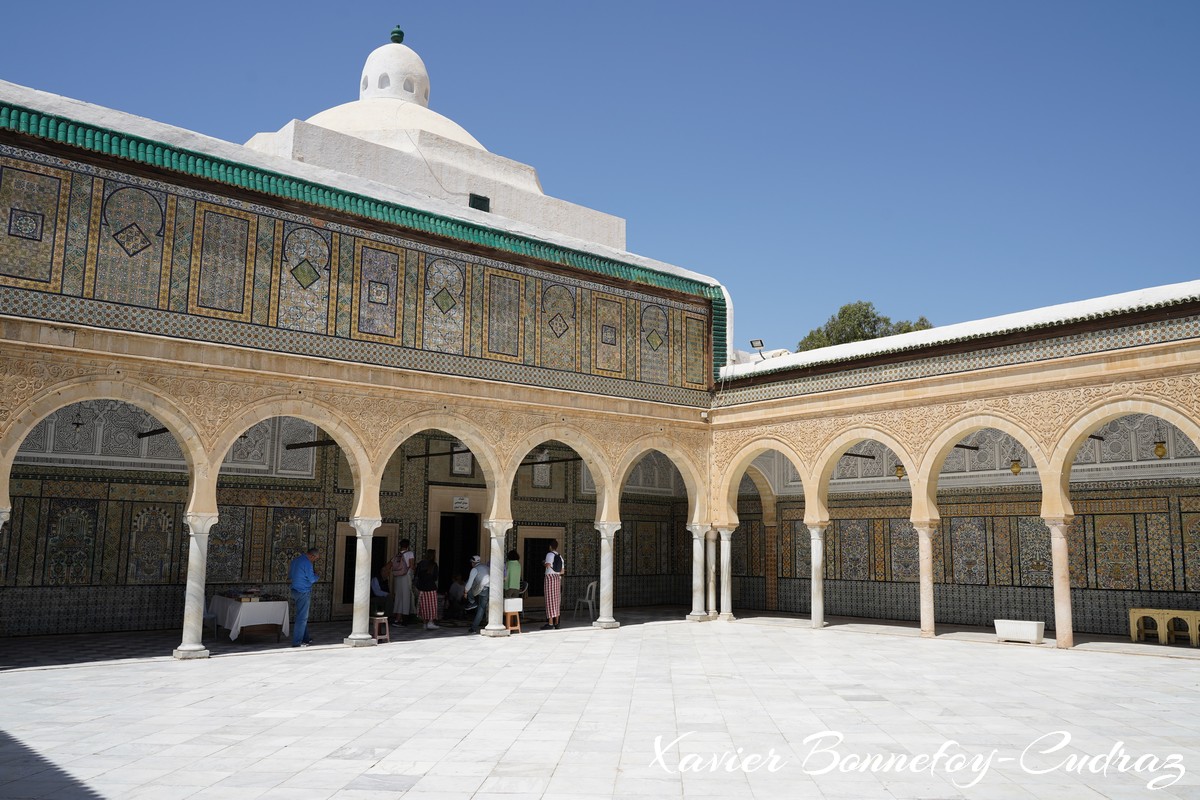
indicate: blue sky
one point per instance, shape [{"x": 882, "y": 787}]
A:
[{"x": 951, "y": 159}]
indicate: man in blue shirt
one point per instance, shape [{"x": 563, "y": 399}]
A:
[{"x": 302, "y": 577}]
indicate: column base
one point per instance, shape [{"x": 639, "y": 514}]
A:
[
  {"x": 928, "y": 634},
  {"x": 694, "y": 617},
  {"x": 818, "y": 624},
  {"x": 497, "y": 632},
  {"x": 359, "y": 640},
  {"x": 727, "y": 616},
  {"x": 606, "y": 623},
  {"x": 195, "y": 651}
]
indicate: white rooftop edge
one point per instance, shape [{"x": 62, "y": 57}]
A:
[{"x": 991, "y": 326}]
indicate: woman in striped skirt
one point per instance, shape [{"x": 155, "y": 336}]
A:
[
  {"x": 553, "y": 586},
  {"x": 427, "y": 588}
]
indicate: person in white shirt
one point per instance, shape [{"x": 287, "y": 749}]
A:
[
  {"x": 553, "y": 586},
  {"x": 477, "y": 591}
]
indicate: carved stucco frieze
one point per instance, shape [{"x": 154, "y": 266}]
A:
[
  {"x": 26, "y": 378},
  {"x": 210, "y": 403},
  {"x": 1045, "y": 415},
  {"x": 371, "y": 414},
  {"x": 505, "y": 427}
]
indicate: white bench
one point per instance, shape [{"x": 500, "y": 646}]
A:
[{"x": 1019, "y": 630}]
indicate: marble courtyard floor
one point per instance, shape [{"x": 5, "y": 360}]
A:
[{"x": 760, "y": 707}]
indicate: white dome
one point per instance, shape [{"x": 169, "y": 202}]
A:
[
  {"x": 395, "y": 71},
  {"x": 393, "y": 102},
  {"x": 390, "y": 122}
]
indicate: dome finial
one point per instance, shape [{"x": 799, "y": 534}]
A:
[{"x": 397, "y": 35}]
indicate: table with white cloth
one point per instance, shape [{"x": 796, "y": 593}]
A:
[{"x": 235, "y": 615}]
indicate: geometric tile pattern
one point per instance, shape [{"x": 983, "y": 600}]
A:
[{"x": 234, "y": 272}]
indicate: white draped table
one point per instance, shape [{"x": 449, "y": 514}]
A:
[{"x": 235, "y": 615}]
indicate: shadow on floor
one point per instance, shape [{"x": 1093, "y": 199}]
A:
[
  {"x": 25, "y": 774},
  {"x": 43, "y": 652}
]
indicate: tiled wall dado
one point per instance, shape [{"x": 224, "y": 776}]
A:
[
  {"x": 1130, "y": 545},
  {"x": 91, "y": 550}
]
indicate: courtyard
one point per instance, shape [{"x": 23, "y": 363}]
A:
[{"x": 760, "y": 707}]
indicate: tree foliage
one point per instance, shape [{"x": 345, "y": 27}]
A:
[{"x": 855, "y": 322}]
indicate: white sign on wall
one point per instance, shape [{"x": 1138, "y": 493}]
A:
[{"x": 462, "y": 503}]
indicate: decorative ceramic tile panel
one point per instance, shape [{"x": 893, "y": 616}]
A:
[
  {"x": 1116, "y": 553},
  {"x": 968, "y": 542},
  {"x": 131, "y": 245},
  {"x": 906, "y": 557},
  {"x": 446, "y": 302},
  {"x": 223, "y": 252},
  {"x": 153, "y": 535},
  {"x": 646, "y": 547},
  {"x": 153, "y": 257},
  {"x": 695, "y": 350},
  {"x": 1033, "y": 544},
  {"x": 557, "y": 326},
  {"x": 303, "y": 302},
  {"x": 70, "y": 547},
  {"x": 505, "y": 318},
  {"x": 654, "y": 335},
  {"x": 854, "y": 545},
  {"x": 608, "y": 336},
  {"x": 33, "y": 198}
]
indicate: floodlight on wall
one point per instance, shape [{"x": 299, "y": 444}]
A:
[
  {"x": 899, "y": 472},
  {"x": 1015, "y": 466},
  {"x": 757, "y": 344},
  {"x": 1160, "y": 441}
]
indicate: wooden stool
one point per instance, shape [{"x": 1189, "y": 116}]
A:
[
  {"x": 512, "y": 613},
  {"x": 376, "y": 624}
]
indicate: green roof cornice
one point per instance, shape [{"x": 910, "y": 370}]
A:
[{"x": 147, "y": 151}]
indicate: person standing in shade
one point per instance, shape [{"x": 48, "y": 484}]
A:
[
  {"x": 402, "y": 595},
  {"x": 554, "y": 572},
  {"x": 427, "y": 588},
  {"x": 379, "y": 592},
  {"x": 302, "y": 577},
  {"x": 478, "y": 591},
  {"x": 512, "y": 574}
]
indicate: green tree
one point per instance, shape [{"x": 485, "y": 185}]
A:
[{"x": 855, "y": 322}]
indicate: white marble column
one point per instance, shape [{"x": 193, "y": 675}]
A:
[
  {"x": 192, "y": 645},
  {"x": 816, "y": 535},
  {"x": 925, "y": 554},
  {"x": 1064, "y": 634},
  {"x": 726, "y": 535},
  {"x": 699, "y": 530},
  {"x": 607, "y": 531},
  {"x": 710, "y": 572},
  {"x": 497, "y": 528},
  {"x": 360, "y": 635}
]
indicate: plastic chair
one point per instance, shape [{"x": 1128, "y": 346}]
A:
[{"x": 589, "y": 599}]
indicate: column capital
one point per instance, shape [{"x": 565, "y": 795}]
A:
[
  {"x": 497, "y": 527},
  {"x": 199, "y": 524},
  {"x": 816, "y": 531},
  {"x": 725, "y": 533},
  {"x": 1058, "y": 525},
  {"x": 365, "y": 526},
  {"x": 926, "y": 527},
  {"x": 608, "y": 529},
  {"x": 698, "y": 529},
  {"x": 5, "y": 515}
]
